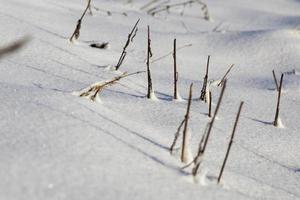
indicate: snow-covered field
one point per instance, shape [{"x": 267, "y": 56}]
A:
[{"x": 55, "y": 145}]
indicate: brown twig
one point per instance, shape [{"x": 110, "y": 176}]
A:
[
  {"x": 276, "y": 123},
  {"x": 202, "y": 151},
  {"x": 76, "y": 32},
  {"x": 185, "y": 130},
  {"x": 231, "y": 140},
  {"x": 130, "y": 38},
  {"x": 209, "y": 105},
  {"x": 225, "y": 75},
  {"x": 203, "y": 91},
  {"x": 149, "y": 55},
  {"x": 275, "y": 80},
  {"x": 170, "y": 53}
]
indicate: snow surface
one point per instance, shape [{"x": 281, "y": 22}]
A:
[{"x": 55, "y": 145}]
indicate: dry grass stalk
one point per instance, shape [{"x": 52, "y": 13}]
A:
[
  {"x": 149, "y": 55},
  {"x": 203, "y": 148},
  {"x": 76, "y": 32},
  {"x": 158, "y": 5},
  {"x": 204, "y": 89},
  {"x": 275, "y": 80},
  {"x": 231, "y": 141},
  {"x": 109, "y": 12},
  {"x": 90, "y": 8},
  {"x": 276, "y": 122},
  {"x": 225, "y": 75},
  {"x": 11, "y": 48},
  {"x": 184, "y": 150},
  {"x": 166, "y": 8},
  {"x": 176, "y": 136},
  {"x": 130, "y": 38},
  {"x": 216, "y": 28},
  {"x": 170, "y": 53},
  {"x": 175, "y": 96},
  {"x": 209, "y": 104},
  {"x": 198, "y": 158},
  {"x": 97, "y": 88}
]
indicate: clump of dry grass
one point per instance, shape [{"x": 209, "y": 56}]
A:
[{"x": 95, "y": 89}]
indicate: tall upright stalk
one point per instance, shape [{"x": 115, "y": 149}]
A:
[
  {"x": 149, "y": 55},
  {"x": 175, "y": 96},
  {"x": 231, "y": 141},
  {"x": 276, "y": 120},
  {"x": 203, "y": 91}
]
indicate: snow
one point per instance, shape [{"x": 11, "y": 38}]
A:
[
  {"x": 202, "y": 177},
  {"x": 153, "y": 96},
  {"x": 279, "y": 123},
  {"x": 55, "y": 145},
  {"x": 178, "y": 97}
]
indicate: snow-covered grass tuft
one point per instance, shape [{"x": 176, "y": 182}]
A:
[{"x": 92, "y": 92}]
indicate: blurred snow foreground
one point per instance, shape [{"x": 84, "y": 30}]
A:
[
  {"x": 12, "y": 48},
  {"x": 55, "y": 145}
]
